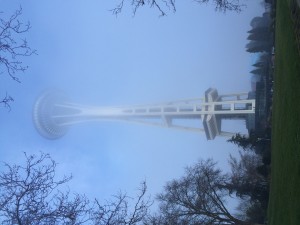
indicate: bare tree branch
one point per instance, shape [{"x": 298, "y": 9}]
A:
[
  {"x": 13, "y": 48},
  {"x": 225, "y": 5},
  {"x": 29, "y": 195},
  {"x": 163, "y": 6},
  {"x": 6, "y": 101},
  {"x": 120, "y": 211}
]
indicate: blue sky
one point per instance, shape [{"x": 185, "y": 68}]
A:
[{"x": 100, "y": 59}]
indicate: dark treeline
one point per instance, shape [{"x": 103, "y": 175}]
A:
[
  {"x": 252, "y": 173},
  {"x": 261, "y": 42},
  {"x": 255, "y": 153}
]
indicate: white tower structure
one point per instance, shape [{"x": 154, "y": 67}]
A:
[{"x": 53, "y": 113}]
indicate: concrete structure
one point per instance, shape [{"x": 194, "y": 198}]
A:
[{"x": 53, "y": 113}]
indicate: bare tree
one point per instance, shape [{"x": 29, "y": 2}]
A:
[
  {"x": 29, "y": 195},
  {"x": 197, "y": 198},
  {"x": 123, "y": 210},
  {"x": 162, "y": 6},
  {"x": 13, "y": 47}
]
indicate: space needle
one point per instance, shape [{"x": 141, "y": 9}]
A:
[{"x": 54, "y": 113}]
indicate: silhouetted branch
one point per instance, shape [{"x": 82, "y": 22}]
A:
[
  {"x": 6, "y": 101},
  {"x": 162, "y": 6},
  {"x": 225, "y": 5},
  {"x": 13, "y": 46},
  {"x": 29, "y": 195},
  {"x": 119, "y": 211}
]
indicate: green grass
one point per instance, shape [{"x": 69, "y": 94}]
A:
[{"x": 284, "y": 204}]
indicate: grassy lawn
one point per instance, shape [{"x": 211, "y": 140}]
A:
[{"x": 284, "y": 205}]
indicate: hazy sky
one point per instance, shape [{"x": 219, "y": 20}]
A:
[{"x": 100, "y": 59}]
